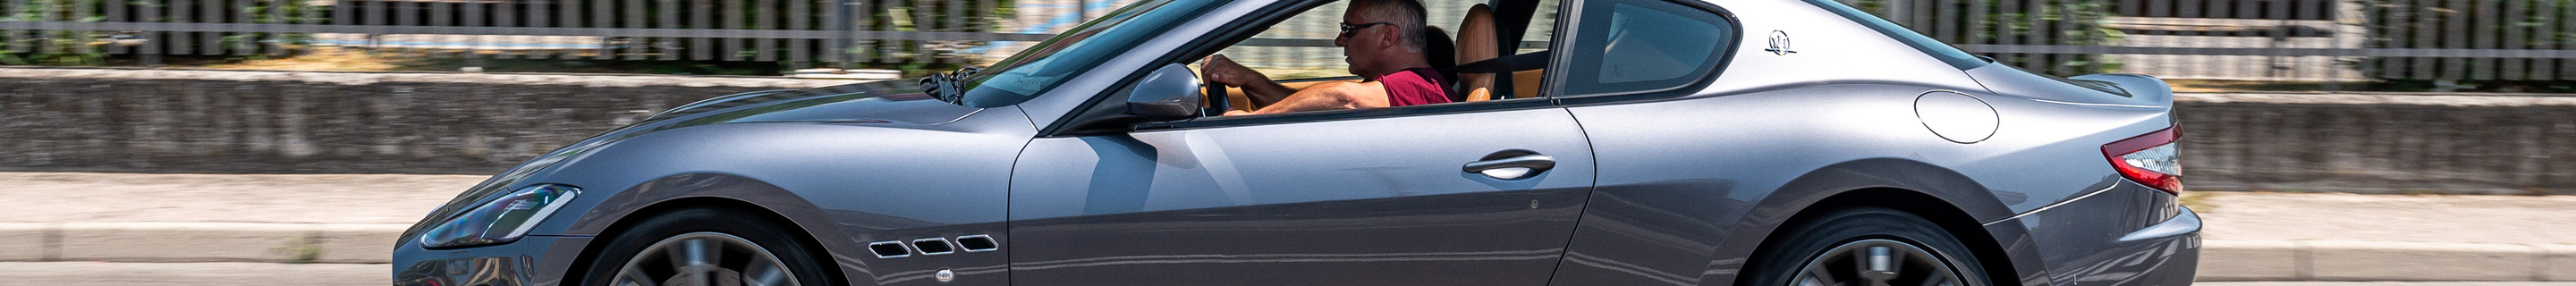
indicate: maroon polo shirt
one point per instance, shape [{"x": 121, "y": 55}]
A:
[{"x": 1415, "y": 86}]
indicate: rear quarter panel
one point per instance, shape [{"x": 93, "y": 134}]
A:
[
  {"x": 1691, "y": 185},
  {"x": 2080, "y": 240}
]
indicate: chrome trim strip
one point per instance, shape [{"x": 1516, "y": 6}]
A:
[
  {"x": 2053, "y": 205},
  {"x": 2099, "y": 104},
  {"x": 963, "y": 117},
  {"x": 952, "y": 247},
  {"x": 549, "y": 211},
  {"x": 907, "y": 249},
  {"x": 2180, "y": 224},
  {"x": 997, "y": 244}
]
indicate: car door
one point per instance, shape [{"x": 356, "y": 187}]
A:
[{"x": 1363, "y": 197}]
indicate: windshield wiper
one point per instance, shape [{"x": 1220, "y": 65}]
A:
[{"x": 950, "y": 86}]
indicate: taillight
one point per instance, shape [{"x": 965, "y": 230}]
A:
[{"x": 2151, "y": 159}]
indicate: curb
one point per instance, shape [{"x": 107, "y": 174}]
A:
[
  {"x": 2220, "y": 260},
  {"x": 2223, "y": 260},
  {"x": 200, "y": 242}
]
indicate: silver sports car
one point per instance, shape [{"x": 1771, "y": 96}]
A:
[{"x": 1608, "y": 142}]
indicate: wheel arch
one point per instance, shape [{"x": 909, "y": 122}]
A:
[
  {"x": 1955, "y": 202},
  {"x": 705, "y": 191},
  {"x": 1970, "y": 232}
]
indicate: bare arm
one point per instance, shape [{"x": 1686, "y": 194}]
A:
[
  {"x": 1329, "y": 96},
  {"x": 1266, "y": 93},
  {"x": 1256, "y": 86}
]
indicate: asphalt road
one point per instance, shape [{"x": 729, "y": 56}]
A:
[{"x": 273, "y": 274}]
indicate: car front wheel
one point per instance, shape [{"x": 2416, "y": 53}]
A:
[{"x": 704, "y": 247}]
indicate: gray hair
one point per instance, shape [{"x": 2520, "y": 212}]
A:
[{"x": 1407, "y": 16}]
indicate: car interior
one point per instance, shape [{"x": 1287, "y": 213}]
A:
[{"x": 1479, "y": 45}]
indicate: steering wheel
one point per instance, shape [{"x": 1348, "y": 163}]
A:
[{"x": 1215, "y": 92}]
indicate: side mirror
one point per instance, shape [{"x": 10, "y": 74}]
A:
[{"x": 1170, "y": 92}]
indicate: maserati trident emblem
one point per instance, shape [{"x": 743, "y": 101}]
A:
[{"x": 1779, "y": 43}]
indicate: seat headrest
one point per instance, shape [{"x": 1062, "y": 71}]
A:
[{"x": 1437, "y": 48}]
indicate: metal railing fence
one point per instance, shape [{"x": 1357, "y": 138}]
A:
[
  {"x": 809, "y": 32},
  {"x": 2331, "y": 40},
  {"x": 2328, "y": 40}
]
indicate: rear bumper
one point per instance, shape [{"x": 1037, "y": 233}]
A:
[
  {"x": 2167, "y": 253},
  {"x": 2127, "y": 235}
]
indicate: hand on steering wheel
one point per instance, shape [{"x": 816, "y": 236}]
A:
[{"x": 1215, "y": 91}]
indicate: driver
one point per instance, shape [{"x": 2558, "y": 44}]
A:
[{"x": 1383, "y": 40}]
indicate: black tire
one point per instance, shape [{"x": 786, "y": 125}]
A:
[
  {"x": 722, "y": 228},
  {"x": 1820, "y": 244}
]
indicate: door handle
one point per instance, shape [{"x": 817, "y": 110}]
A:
[{"x": 1511, "y": 165}]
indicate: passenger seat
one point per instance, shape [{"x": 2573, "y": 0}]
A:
[{"x": 1479, "y": 41}]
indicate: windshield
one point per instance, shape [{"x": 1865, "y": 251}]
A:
[{"x": 1050, "y": 63}]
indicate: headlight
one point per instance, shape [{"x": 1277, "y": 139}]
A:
[{"x": 502, "y": 220}]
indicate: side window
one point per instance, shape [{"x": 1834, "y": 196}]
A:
[
  {"x": 1625, "y": 46},
  {"x": 1298, "y": 48},
  {"x": 1301, "y": 47},
  {"x": 1301, "y": 51},
  {"x": 1542, "y": 26}
]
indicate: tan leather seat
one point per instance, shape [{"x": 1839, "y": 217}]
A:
[
  {"x": 1525, "y": 83},
  {"x": 1234, "y": 98},
  {"x": 1239, "y": 100},
  {"x": 1476, "y": 42}
]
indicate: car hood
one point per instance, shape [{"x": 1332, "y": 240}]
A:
[{"x": 893, "y": 103}]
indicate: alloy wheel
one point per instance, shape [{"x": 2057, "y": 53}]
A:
[
  {"x": 1877, "y": 262},
  {"x": 704, "y": 259}
]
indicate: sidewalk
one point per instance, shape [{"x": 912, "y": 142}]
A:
[
  {"x": 2349, "y": 237},
  {"x": 354, "y": 218},
  {"x": 203, "y": 218}
]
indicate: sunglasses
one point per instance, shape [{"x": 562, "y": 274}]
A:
[{"x": 1348, "y": 27}]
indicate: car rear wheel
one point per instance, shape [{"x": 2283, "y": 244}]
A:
[
  {"x": 705, "y": 247},
  {"x": 1867, "y": 246}
]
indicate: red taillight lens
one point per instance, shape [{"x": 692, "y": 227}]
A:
[{"x": 2151, "y": 159}]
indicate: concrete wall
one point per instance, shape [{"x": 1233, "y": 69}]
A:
[
  {"x": 281, "y": 122},
  {"x": 2380, "y": 143},
  {"x": 278, "y": 122}
]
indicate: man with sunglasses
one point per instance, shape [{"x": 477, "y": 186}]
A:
[{"x": 1384, "y": 42}]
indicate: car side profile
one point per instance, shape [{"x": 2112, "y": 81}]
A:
[{"x": 1592, "y": 142}]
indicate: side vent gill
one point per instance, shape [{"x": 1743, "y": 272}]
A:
[
  {"x": 977, "y": 243},
  {"x": 933, "y": 246},
  {"x": 889, "y": 249}
]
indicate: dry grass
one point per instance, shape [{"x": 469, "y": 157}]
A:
[
  {"x": 339, "y": 59},
  {"x": 319, "y": 59}
]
